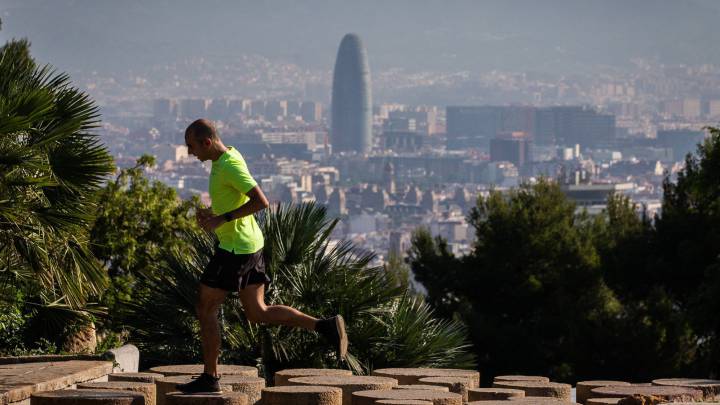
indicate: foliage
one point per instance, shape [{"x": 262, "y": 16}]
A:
[
  {"x": 386, "y": 326},
  {"x": 51, "y": 165}
]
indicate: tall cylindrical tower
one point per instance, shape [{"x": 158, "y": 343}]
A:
[{"x": 351, "y": 116}]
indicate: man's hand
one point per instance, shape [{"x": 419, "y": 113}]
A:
[{"x": 209, "y": 223}]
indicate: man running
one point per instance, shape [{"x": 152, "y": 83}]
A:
[{"x": 238, "y": 263}]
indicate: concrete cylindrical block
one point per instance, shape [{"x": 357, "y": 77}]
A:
[
  {"x": 541, "y": 401},
  {"x": 602, "y": 401},
  {"x": 87, "y": 397},
  {"x": 537, "y": 378},
  {"x": 408, "y": 376},
  {"x": 136, "y": 377},
  {"x": 458, "y": 385},
  {"x": 168, "y": 384},
  {"x": 224, "y": 398},
  {"x": 436, "y": 397},
  {"x": 583, "y": 388},
  {"x": 494, "y": 394},
  {"x": 539, "y": 389},
  {"x": 348, "y": 384},
  {"x": 282, "y": 376},
  {"x": 147, "y": 389},
  {"x": 302, "y": 395},
  {"x": 251, "y": 386},
  {"x": 402, "y": 402},
  {"x": 710, "y": 388},
  {"x": 670, "y": 394},
  {"x": 196, "y": 369},
  {"x": 421, "y": 387}
]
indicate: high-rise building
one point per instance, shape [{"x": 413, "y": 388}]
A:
[
  {"x": 164, "y": 108},
  {"x": 193, "y": 108},
  {"x": 514, "y": 148},
  {"x": 311, "y": 111},
  {"x": 275, "y": 109},
  {"x": 351, "y": 110},
  {"x": 681, "y": 141}
]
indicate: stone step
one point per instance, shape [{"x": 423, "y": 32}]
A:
[
  {"x": 197, "y": 369},
  {"x": 402, "y": 402},
  {"x": 348, "y": 384},
  {"x": 302, "y": 395},
  {"x": 166, "y": 385},
  {"x": 436, "y": 397},
  {"x": 281, "y": 377},
  {"x": 136, "y": 377},
  {"x": 225, "y": 398},
  {"x": 669, "y": 394},
  {"x": 583, "y": 388},
  {"x": 602, "y": 401},
  {"x": 710, "y": 388},
  {"x": 539, "y": 389},
  {"x": 407, "y": 376},
  {"x": 521, "y": 378},
  {"x": 251, "y": 386},
  {"x": 458, "y": 385},
  {"x": 494, "y": 394},
  {"x": 146, "y": 389},
  {"x": 421, "y": 387},
  {"x": 542, "y": 401},
  {"x": 87, "y": 397}
]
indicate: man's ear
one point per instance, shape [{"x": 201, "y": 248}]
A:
[{"x": 207, "y": 142}]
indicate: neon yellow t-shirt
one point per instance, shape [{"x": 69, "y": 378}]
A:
[{"x": 230, "y": 180}]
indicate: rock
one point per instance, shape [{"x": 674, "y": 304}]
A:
[
  {"x": 251, "y": 386},
  {"x": 458, "y": 385},
  {"x": 166, "y": 385},
  {"x": 710, "y": 388},
  {"x": 421, "y": 387},
  {"x": 602, "y": 401},
  {"x": 521, "y": 378},
  {"x": 651, "y": 393},
  {"x": 402, "y": 402},
  {"x": 136, "y": 377}
]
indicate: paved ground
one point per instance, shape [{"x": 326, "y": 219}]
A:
[{"x": 19, "y": 381}]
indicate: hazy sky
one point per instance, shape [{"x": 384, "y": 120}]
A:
[{"x": 448, "y": 35}]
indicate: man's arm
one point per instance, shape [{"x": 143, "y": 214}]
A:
[{"x": 257, "y": 202}]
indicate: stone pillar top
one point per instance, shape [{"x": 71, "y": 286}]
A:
[{"x": 190, "y": 369}]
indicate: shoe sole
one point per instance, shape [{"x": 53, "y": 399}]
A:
[{"x": 340, "y": 324}]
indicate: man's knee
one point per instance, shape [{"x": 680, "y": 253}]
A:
[{"x": 256, "y": 315}]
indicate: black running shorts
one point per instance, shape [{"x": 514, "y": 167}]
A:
[{"x": 233, "y": 272}]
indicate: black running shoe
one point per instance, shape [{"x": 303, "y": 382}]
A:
[
  {"x": 333, "y": 330},
  {"x": 202, "y": 383}
]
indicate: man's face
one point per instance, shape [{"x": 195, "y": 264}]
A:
[{"x": 200, "y": 148}]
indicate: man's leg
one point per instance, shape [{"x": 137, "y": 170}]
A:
[
  {"x": 253, "y": 302},
  {"x": 209, "y": 301}
]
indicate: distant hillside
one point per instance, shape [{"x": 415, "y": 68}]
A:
[{"x": 547, "y": 35}]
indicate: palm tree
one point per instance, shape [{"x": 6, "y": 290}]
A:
[
  {"x": 387, "y": 326},
  {"x": 51, "y": 166}
]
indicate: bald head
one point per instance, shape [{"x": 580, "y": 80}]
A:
[{"x": 202, "y": 129}]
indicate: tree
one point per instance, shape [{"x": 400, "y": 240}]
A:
[
  {"x": 386, "y": 325},
  {"x": 51, "y": 165}
]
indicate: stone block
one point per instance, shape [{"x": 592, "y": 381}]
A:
[
  {"x": 407, "y": 376},
  {"x": 166, "y": 385},
  {"x": 710, "y": 388},
  {"x": 583, "y": 388},
  {"x": 539, "y": 389},
  {"x": 302, "y": 395},
  {"x": 458, "y": 385},
  {"x": 251, "y": 386},
  {"x": 147, "y": 389},
  {"x": 136, "y": 377},
  {"x": 521, "y": 378},
  {"x": 348, "y": 384},
  {"x": 282, "y": 376},
  {"x": 402, "y": 402},
  {"x": 87, "y": 397},
  {"x": 493, "y": 394},
  {"x": 126, "y": 359},
  {"x": 602, "y": 401},
  {"x": 421, "y": 387},
  {"x": 197, "y": 369},
  {"x": 224, "y": 398},
  {"x": 436, "y": 397},
  {"x": 541, "y": 401},
  {"x": 649, "y": 393}
]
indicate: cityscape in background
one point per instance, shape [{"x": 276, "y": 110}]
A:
[{"x": 391, "y": 150}]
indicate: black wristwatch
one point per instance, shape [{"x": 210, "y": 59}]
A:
[{"x": 228, "y": 217}]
